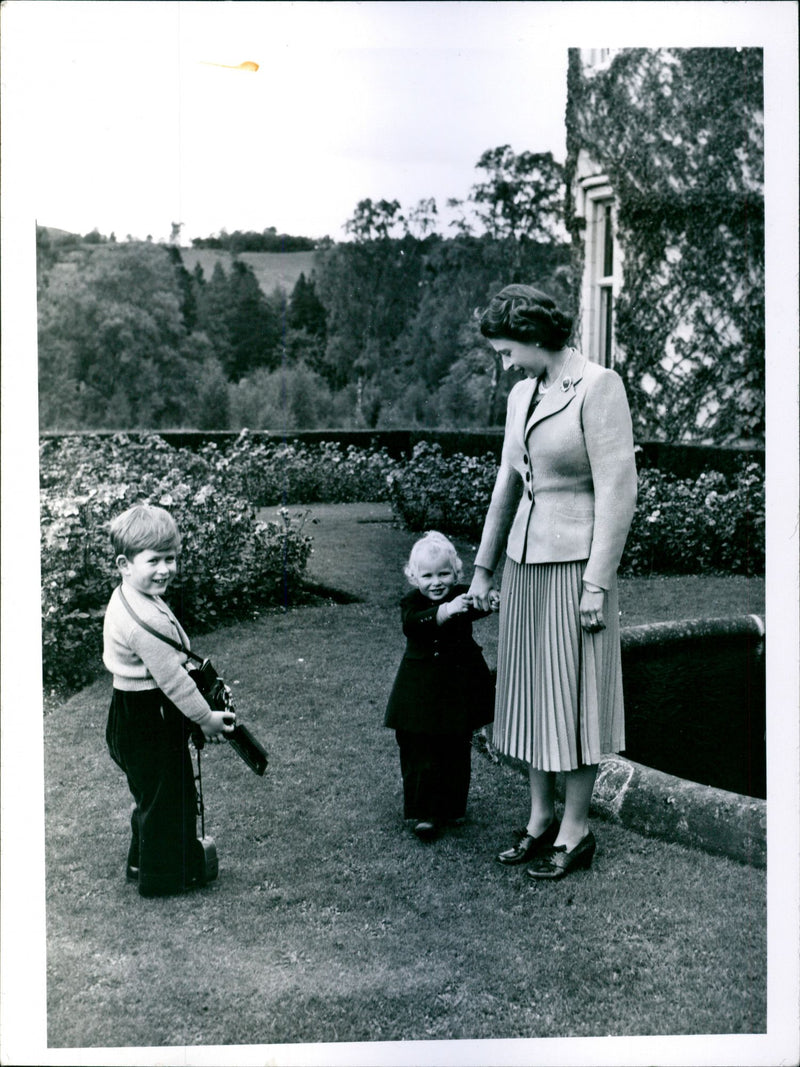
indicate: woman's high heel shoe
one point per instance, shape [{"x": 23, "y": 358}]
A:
[
  {"x": 556, "y": 862},
  {"x": 527, "y": 847}
]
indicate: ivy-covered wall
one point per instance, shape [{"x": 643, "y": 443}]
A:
[{"x": 679, "y": 134}]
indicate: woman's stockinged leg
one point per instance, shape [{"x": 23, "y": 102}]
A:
[
  {"x": 578, "y": 786},
  {"x": 543, "y": 793}
]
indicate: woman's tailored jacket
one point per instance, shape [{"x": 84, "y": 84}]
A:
[
  {"x": 443, "y": 685},
  {"x": 566, "y": 487}
]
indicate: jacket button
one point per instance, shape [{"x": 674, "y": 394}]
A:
[
  {"x": 527, "y": 476},
  {"x": 530, "y": 495},
  {"x": 524, "y": 459}
]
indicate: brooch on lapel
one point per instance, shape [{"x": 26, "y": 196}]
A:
[{"x": 565, "y": 384}]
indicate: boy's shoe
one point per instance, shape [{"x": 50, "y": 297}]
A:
[
  {"x": 131, "y": 873},
  {"x": 207, "y": 869},
  {"x": 425, "y": 829},
  {"x": 209, "y": 864}
]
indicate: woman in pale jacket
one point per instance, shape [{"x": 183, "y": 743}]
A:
[{"x": 561, "y": 508}]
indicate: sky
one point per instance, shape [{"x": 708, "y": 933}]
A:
[
  {"x": 142, "y": 118},
  {"x": 127, "y": 117},
  {"x": 139, "y": 116}
]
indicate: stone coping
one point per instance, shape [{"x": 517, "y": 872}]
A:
[
  {"x": 700, "y": 816},
  {"x": 661, "y": 633},
  {"x": 675, "y": 809}
]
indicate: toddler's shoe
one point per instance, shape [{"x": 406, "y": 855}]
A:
[
  {"x": 425, "y": 829},
  {"x": 205, "y": 870}
]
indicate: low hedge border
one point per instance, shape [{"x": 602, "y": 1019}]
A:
[{"x": 682, "y": 460}]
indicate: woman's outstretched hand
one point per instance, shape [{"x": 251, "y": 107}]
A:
[{"x": 482, "y": 592}]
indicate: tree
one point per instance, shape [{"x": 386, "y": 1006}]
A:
[
  {"x": 283, "y": 400},
  {"x": 522, "y": 196},
  {"x": 213, "y": 307},
  {"x": 110, "y": 336},
  {"x": 187, "y": 286},
  {"x": 213, "y": 407},
  {"x": 373, "y": 222},
  {"x": 423, "y": 219},
  {"x": 254, "y": 325},
  {"x": 461, "y": 224},
  {"x": 369, "y": 289},
  {"x": 306, "y": 312}
]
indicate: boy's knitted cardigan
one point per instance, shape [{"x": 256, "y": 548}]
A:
[{"x": 138, "y": 661}]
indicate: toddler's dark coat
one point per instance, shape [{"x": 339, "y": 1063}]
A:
[{"x": 443, "y": 685}]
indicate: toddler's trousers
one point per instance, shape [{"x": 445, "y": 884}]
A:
[
  {"x": 147, "y": 737},
  {"x": 436, "y": 773}
]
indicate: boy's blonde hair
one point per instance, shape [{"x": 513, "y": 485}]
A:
[
  {"x": 144, "y": 527},
  {"x": 433, "y": 542}
]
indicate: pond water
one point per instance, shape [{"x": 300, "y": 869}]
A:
[{"x": 695, "y": 702}]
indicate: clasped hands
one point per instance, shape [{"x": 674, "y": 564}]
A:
[
  {"x": 483, "y": 594},
  {"x": 464, "y": 601}
]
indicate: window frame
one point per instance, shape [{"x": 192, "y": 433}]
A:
[{"x": 602, "y": 272}]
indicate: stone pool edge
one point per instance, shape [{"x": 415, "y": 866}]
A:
[
  {"x": 657, "y": 804},
  {"x": 700, "y": 816}
]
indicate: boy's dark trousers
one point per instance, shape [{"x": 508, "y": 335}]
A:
[
  {"x": 436, "y": 772},
  {"x": 147, "y": 737}
]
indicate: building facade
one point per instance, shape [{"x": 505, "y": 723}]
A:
[{"x": 665, "y": 206}]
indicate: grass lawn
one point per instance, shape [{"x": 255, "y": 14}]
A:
[{"x": 330, "y": 922}]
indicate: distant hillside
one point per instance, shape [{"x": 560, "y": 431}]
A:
[
  {"x": 271, "y": 269},
  {"x": 55, "y": 234}
]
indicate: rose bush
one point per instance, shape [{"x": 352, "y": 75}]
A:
[
  {"x": 231, "y": 563},
  {"x": 450, "y": 493},
  {"x": 681, "y": 525},
  {"x": 269, "y": 472},
  {"x": 694, "y": 526}
]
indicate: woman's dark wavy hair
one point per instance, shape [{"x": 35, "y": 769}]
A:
[{"x": 522, "y": 313}]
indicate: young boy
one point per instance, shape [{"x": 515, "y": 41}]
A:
[{"x": 153, "y": 700}]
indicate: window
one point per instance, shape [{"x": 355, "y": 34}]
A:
[
  {"x": 605, "y": 283},
  {"x": 601, "y": 270},
  {"x": 597, "y": 59}
]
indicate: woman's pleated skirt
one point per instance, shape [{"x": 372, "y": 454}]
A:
[{"x": 559, "y": 689}]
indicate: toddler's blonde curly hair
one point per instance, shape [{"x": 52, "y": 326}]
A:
[{"x": 430, "y": 543}]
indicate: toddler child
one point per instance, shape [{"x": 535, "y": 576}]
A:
[
  {"x": 153, "y": 701},
  {"x": 443, "y": 690}
]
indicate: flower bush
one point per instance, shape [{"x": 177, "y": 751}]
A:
[
  {"x": 681, "y": 526},
  {"x": 693, "y": 526},
  {"x": 432, "y": 491},
  {"x": 267, "y": 473},
  {"x": 231, "y": 562}
]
